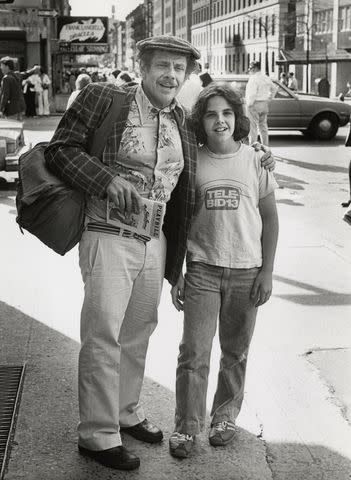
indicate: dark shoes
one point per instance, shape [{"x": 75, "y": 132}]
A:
[
  {"x": 347, "y": 217},
  {"x": 144, "y": 431},
  {"x": 117, "y": 457}
]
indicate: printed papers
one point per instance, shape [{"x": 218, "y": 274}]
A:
[{"x": 148, "y": 222}]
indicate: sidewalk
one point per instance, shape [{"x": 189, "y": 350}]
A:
[{"x": 45, "y": 441}]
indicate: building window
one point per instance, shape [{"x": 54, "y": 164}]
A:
[
  {"x": 273, "y": 62},
  {"x": 248, "y": 29},
  {"x": 273, "y": 25},
  {"x": 243, "y": 62},
  {"x": 300, "y": 24},
  {"x": 324, "y": 20}
]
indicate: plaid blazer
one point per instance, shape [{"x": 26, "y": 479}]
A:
[{"x": 67, "y": 157}]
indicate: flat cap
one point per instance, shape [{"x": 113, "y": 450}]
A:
[{"x": 169, "y": 43}]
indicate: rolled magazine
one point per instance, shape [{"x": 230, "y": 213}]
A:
[{"x": 148, "y": 222}]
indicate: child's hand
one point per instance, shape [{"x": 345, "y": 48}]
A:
[
  {"x": 267, "y": 160},
  {"x": 177, "y": 293},
  {"x": 262, "y": 288}
]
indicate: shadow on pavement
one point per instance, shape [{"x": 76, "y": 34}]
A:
[
  {"x": 301, "y": 140},
  {"x": 318, "y": 296},
  {"x": 286, "y": 181},
  {"x": 313, "y": 166},
  {"x": 290, "y": 202},
  {"x": 44, "y": 445}
]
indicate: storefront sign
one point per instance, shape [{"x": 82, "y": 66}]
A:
[
  {"x": 84, "y": 48},
  {"x": 82, "y": 30}
]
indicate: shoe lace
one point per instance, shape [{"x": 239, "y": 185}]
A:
[
  {"x": 223, "y": 426},
  {"x": 182, "y": 437}
]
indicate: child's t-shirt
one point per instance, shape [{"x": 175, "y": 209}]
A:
[{"x": 227, "y": 227}]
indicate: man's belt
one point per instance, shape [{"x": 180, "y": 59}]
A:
[{"x": 112, "y": 229}]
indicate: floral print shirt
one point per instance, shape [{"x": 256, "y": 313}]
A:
[{"x": 150, "y": 155}]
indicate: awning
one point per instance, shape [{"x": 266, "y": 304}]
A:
[{"x": 298, "y": 57}]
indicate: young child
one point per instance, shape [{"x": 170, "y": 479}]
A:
[{"x": 230, "y": 255}]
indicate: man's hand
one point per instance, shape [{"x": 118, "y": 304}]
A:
[
  {"x": 124, "y": 196},
  {"x": 262, "y": 288},
  {"x": 267, "y": 161},
  {"x": 177, "y": 293}
]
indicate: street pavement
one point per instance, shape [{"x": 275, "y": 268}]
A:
[{"x": 295, "y": 421}]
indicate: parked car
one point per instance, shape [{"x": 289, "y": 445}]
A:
[
  {"x": 316, "y": 116},
  {"x": 11, "y": 144}
]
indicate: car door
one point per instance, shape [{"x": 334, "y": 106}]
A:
[{"x": 284, "y": 110}]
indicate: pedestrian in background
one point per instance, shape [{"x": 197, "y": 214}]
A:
[
  {"x": 31, "y": 88},
  {"x": 283, "y": 79},
  {"x": 230, "y": 256},
  {"x": 71, "y": 81},
  {"x": 12, "y": 104},
  {"x": 191, "y": 89},
  {"x": 82, "y": 80},
  {"x": 43, "y": 96},
  {"x": 347, "y": 216},
  {"x": 292, "y": 82},
  {"x": 113, "y": 75},
  {"x": 124, "y": 78},
  {"x": 259, "y": 91}
]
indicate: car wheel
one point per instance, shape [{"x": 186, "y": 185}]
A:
[
  {"x": 324, "y": 126},
  {"x": 306, "y": 133}
]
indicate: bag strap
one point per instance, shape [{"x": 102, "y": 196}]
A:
[{"x": 103, "y": 131}]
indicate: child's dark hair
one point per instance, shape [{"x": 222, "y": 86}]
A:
[{"x": 233, "y": 97}]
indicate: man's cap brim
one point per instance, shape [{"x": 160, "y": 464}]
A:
[{"x": 170, "y": 44}]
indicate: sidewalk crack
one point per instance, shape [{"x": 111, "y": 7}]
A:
[{"x": 269, "y": 458}]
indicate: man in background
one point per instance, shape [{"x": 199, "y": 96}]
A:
[
  {"x": 12, "y": 103},
  {"x": 259, "y": 91},
  {"x": 292, "y": 82}
]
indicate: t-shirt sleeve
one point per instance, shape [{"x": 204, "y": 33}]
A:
[{"x": 267, "y": 181}]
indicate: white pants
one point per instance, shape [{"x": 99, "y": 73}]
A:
[
  {"x": 123, "y": 280},
  {"x": 43, "y": 103},
  {"x": 257, "y": 114}
]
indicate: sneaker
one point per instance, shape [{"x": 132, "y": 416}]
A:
[
  {"x": 347, "y": 217},
  {"x": 221, "y": 433},
  {"x": 181, "y": 444}
]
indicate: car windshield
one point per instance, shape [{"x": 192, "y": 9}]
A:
[{"x": 282, "y": 93}]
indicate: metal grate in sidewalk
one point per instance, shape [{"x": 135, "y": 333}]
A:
[{"x": 11, "y": 381}]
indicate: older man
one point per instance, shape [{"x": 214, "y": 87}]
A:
[{"x": 150, "y": 153}]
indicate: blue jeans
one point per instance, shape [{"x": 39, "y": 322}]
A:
[{"x": 212, "y": 292}]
